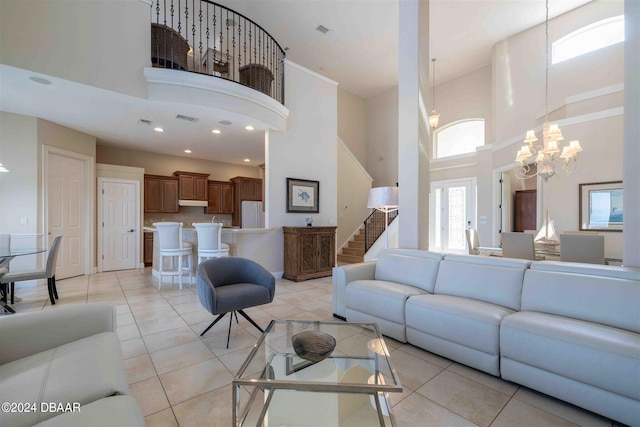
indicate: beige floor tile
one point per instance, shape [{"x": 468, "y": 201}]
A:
[
  {"x": 210, "y": 409},
  {"x": 281, "y": 311},
  {"x": 472, "y": 400},
  {"x": 133, "y": 348},
  {"x": 182, "y": 298},
  {"x": 561, "y": 409},
  {"x": 170, "y": 338},
  {"x": 150, "y": 396},
  {"x": 188, "y": 307},
  {"x": 128, "y": 332},
  {"x": 191, "y": 381},
  {"x": 417, "y": 410},
  {"x": 496, "y": 383},
  {"x": 164, "y": 418},
  {"x": 179, "y": 356},
  {"x": 139, "y": 368},
  {"x": 240, "y": 339},
  {"x": 443, "y": 362},
  {"x": 518, "y": 413},
  {"x": 413, "y": 371},
  {"x": 125, "y": 319},
  {"x": 161, "y": 325},
  {"x": 233, "y": 361},
  {"x": 201, "y": 315}
]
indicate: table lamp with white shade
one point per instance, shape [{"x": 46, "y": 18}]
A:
[{"x": 384, "y": 199}]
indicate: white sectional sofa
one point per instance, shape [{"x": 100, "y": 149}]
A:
[
  {"x": 568, "y": 330},
  {"x": 64, "y": 367}
]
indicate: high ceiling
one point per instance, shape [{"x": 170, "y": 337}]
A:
[{"x": 359, "y": 52}]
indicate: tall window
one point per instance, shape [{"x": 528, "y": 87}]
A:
[
  {"x": 587, "y": 39},
  {"x": 459, "y": 138}
]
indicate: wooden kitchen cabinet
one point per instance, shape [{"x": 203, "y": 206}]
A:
[
  {"x": 525, "y": 210},
  {"x": 160, "y": 194},
  {"x": 244, "y": 188},
  {"x": 192, "y": 186},
  {"x": 148, "y": 249},
  {"x": 220, "y": 198},
  {"x": 309, "y": 252}
]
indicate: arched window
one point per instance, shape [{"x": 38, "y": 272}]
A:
[
  {"x": 458, "y": 138},
  {"x": 587, "y": 39}
]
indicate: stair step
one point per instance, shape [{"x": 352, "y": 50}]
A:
[
  {"x": 352, "y": 251},
  {"x": 356, "y": 245},
  {"x": 358, "y": 238},
  {"x": 349, "y": 258}
]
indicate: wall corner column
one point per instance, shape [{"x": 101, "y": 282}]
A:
[{"x": 413, "y": 128}]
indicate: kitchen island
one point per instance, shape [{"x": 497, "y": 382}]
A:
[{"x": 241, "y": 241}]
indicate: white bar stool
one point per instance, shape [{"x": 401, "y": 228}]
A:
[
  {"x": 172, "y": 246},
  {"x": 210, "y": 240}
]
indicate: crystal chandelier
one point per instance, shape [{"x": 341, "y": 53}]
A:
[
  {"x": 548, "y": 157},
  {"x": 434, "y": 116}
]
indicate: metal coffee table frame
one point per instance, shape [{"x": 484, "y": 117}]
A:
[{"x": 274, "y": 373}]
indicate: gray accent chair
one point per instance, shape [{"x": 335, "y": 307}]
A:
[
  {"x": 231, "y": 284},
  {"x": 49, "y": 273}
]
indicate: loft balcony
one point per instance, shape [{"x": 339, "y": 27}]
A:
[{"x": 206, "y": 38}]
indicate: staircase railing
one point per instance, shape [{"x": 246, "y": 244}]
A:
[
  {"x": 204, "y": 37},
  {"x": 374, "y": 227}
]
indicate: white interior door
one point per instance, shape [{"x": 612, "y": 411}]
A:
[
  {"x": 66, "y": 212},
  {"x": 119, "y": 225},
  {"x": 454, "y": 208}
]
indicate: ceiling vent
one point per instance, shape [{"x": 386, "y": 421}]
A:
[
  {"x": 186, "y": 118},
  {"x": 322, "y": 29},
  {"x": 144, "y": 122}
]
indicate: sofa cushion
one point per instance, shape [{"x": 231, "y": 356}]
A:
[
  {"x": 81, "y": 371},
  {"x": 594, "y": 354},
  {"x": 380, "y": 298},
  {"x": 606, "y": 300},
  {"x": 418, "y": 271},
  {"x": 481, "y": 278},
  {"x": 631, "y": 273},
  {"x": 468, "y": 322},
  {"x": 107, "y": 412}
]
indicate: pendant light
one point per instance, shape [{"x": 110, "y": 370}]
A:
[{"x": 434, "y": 116}]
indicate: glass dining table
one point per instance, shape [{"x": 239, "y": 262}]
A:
[{"x": 6, "y": 255}]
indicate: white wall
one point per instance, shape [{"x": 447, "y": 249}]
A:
[
  {"x": 307, "y": 150},
  {"x": 352, "y": 124},
  {"x": 382, "y": 138},
  {"x": 106, "y": 43}
]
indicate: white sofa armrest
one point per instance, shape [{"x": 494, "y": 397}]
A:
[
  {"x": 24, "y": 334},
  {"x": 342, "y": 276}
]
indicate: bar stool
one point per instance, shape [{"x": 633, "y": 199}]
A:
[
  {"x": 210, "y": 240},
  {"x": 171, "y": 246}
]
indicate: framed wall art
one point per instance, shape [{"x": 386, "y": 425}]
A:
[
  {"x": 303, "y": 196},
  {"x": 601, "y": 206}
]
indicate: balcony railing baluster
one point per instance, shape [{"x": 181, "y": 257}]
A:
[{"x": 204, "y": 37}]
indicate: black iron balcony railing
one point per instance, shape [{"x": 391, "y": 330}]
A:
[
  {"x": 374, "y": 227},
  {"x": 204, "y": 37}
]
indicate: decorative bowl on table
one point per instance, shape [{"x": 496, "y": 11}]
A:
[{"x": 313, "y": 345}]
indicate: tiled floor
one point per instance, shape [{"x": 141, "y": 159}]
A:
[{"x": 182, "y": 379}]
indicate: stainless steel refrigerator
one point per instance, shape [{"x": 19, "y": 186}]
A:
[{"x": 252, "y": 215}]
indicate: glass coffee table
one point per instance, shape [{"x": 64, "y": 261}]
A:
[{"x": 275, "y": 387}]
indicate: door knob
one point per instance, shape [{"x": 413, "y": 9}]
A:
[{"x": 131, "y": 231}]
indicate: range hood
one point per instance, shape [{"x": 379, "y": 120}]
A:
[{"x": 202, "y": 203}]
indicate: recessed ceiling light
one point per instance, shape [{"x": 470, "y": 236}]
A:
[
  {"x": 225, "y": 122},
  {"x": 158, "y": 129},
  {"x": 40, "y": 80},
  {"x": 187, "y": 151},
  {"x": 248, "y": 127},
  {"x": 215, "y": 131},
  {"x": 247, "y": 160}
]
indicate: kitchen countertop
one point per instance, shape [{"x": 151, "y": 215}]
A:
[{"x": 225, "y": 230}]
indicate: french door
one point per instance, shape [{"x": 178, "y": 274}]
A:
[{"x": 453, "y": 210}]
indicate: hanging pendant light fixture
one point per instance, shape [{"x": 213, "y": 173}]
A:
[
  {"x": 434, "y": 116},
  {"x": 545, "y": 157}
]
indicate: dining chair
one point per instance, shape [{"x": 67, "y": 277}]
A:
[
  {"x": 171, "y": 246},
  {"x": 518, "y": 245},
  {"x": 472, "y": 241},
  {"x": 210, "y": 240},
  {"x": 587, "y": 248},
  {"x": 48, "y": 273},
  {"x": 231, "y": 284}
]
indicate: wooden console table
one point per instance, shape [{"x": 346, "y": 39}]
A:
[{"x": 309, "y": 252}]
